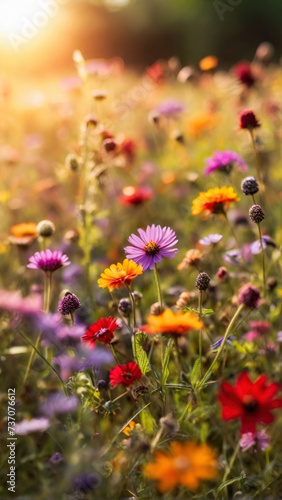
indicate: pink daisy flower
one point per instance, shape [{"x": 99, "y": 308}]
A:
[
  {"x": 152, "y": 245},
  {"x": 48, "y": 261}
]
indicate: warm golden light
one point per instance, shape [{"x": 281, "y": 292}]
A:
[{"x": 14, "y": 14}]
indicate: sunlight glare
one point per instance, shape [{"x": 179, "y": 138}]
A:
[{"x": 14, "y": 13}]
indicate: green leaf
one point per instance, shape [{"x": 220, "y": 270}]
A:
[
  {"x": 165, "y": 362},
  {"x": 194, "y": 310},
  {"x": 139, "y": 354},
  {"x": 230, "y": 481},
  {"x": 196, "y": 373}
]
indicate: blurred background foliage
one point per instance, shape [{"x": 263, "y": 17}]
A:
[{"x": 141, "y": 31}]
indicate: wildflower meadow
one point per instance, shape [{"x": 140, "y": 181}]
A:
[{"x": 140, "y": 300}]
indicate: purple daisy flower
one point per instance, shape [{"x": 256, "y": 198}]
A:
[
  {"x": 152, "y": 245},
  {"x": 224, "y": 161},
  {"x": 48, "y": 261},
  {"x": 211, "y": 239},
  {"x": 171, "y": 107},
  {"x": 58, "y": 403},
  {"x": 34, "y": 425}
]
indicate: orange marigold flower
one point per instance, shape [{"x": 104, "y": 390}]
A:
[
  {"x": 119, "y": 275},
  {"x": 170, "y": 322},
  {"x": 184, "y": 464},
  {"x": 208, "y": 63},
  {"x": 24, "y": 229},
  {"x": 214, "y": 200}
]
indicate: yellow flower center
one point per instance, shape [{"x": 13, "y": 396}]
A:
[{"x": 151, "y": 248}]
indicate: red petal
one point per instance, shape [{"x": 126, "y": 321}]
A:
[{"x": 248, "y": 424}]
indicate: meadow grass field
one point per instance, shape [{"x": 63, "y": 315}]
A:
[{"x": 141, "y": 282}]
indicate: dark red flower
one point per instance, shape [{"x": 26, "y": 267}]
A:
[
  {"x": 249, "y": 296},
  {"x": 135, "y": 196},
  {"x": 125, "y": 374},
  {"x": 251, "y": 402},
  {"x": 244, "y": 73},
  {"x": 102, "y": 330},
  {"x": 128, "y": 148},
  {"x": 248, "y": 119}
]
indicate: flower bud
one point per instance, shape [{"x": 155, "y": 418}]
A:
[
  {"x": 249, "y": 185},
  {"x": 249, "y": 296},
  {"x": 124, "y": 307},
  {"x": 45, "y": 228},
  {"x": 256, "y": 214},
  {"x": 202, "y": 281},
  {"x": 248, "y": 120}
]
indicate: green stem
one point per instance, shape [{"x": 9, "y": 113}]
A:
[
  {"x": 232, "y": 461},
  {"x": 160, "y": 299},
  {"x": 257, "y": 160},
  {"x": 231, "y": 228},
  {"x": 48, "y": 290},
  {"x": 132, "y": 306},
  {"x": 262, "y": 260},
  {"x": 227, "y": 333},
  {"x": 31, "y": 360},
  {"x": 114, "y": 354},
  {"x": 44, "y": 359},
  {"x": 200, "y": 332}
]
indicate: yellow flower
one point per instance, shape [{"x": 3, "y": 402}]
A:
[
  {"x": 119, "y": 275},
  {"x": 171, "y": 322},
  {"x": 214, "y": 200},
  {"x": 185, "y": 464}
]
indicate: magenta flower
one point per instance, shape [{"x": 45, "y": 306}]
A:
[
  {"x": 224, "y": 162},
  {"x": 152, "y": 245},
  {"x": 48, "y": 261}
]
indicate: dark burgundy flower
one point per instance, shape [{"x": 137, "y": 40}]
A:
[
  {"x": 251, "y": 402},
  {"x": 248, "y": 119},
  {"x": 135, "y": 196},
  {"x": 102, "y": 330},
  {"x": 249, "y": 296},
  {"x": 125, "y": 374},
  {"x": 243, "y": 72}
]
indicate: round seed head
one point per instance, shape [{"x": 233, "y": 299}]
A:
[
  {"x": 249, "y": 185},
  {"x": 202, "y": 281},
  {"x": 256, "y": 214}
]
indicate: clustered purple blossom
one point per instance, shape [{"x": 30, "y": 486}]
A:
[
  {"x": 224, "y": 161},
  {"x": 151, "y": 246}
]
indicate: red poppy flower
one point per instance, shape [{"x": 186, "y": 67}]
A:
[
  {"x": 251, "y": 402},
  {"x": 135, "y": 196},
  {"x": 102, "y": 330},
  {"x": 125, "y": 374}
]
